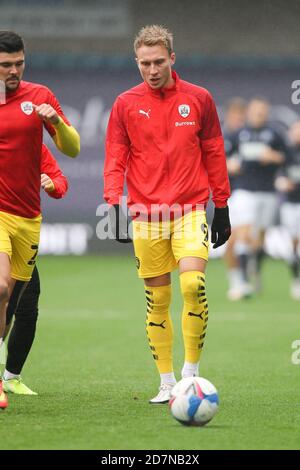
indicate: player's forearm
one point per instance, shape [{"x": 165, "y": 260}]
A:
[
  {"x": 113, "y": 190},
  {"x": 271, "y": 156},
  {"x": 114, "y": 171},
  {"x": 66, "y": 139},
  {"x": 215, "y": 163},
  {"x": 114, "y": 176}
]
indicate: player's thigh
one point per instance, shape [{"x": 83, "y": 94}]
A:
[
  {"x": 190, "y": 237},
  {"x": 25, "y": 248},
  {"x": 6, "y": 230},
  {"x": 244, "y": 234},
  {"x": 266, "y": 210},
  {"x": 31, "y": 294},
  {"x": 5, "y": 248},
  {"x": 35, "y": 282},
  {"x": 5, "y": 274},
  {"x": 16, "y": 294},
  {"x": 153, "y": 251},
  {"x": 192, "y": 263},
  {"x": 290, "y": 218},
  {"x": 242, "y": 207}
]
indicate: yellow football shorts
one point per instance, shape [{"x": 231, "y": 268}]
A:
[
  {"x": 159, "y": 246},
  {"x": 19, "y": 238}
]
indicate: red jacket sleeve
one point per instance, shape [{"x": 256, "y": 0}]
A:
[
  {"x": 213, "y": 154},
  {"x": 50, "y": 166},
  {"x": 117, "y": 147},
  {"x": 52, "y": 100}
]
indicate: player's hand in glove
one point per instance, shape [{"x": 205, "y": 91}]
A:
[
  {"x": 220, "y": 228},
  {"x": 119, "y": 224}
]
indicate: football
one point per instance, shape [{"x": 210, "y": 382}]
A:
[{"x": 194, "y": 401}]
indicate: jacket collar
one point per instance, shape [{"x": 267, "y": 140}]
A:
[
  {"x": 10, "y": 94},
  {"x": 164, "y": 92}
]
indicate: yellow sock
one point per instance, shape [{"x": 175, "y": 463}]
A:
[
  {"x": 159, "y": 326},
  {"x": 194, "y": 315}
]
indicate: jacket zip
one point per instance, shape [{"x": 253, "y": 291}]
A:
[{"x": 163, "y": 101}]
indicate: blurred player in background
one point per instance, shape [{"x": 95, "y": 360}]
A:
[
  {"x": 22, "y": 334},
  {"x": 28, "y": 108},
  {"x": 262, "y": 151},
  {"x": 165, "y": 136},
  {"x": 289, "y": 184},
  {"x": 234, "y": 120}
]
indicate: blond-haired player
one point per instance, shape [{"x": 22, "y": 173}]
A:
[{"x": 164, "y": 136}]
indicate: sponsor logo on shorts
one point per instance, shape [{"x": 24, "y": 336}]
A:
[{"x": 138, "y": 263}]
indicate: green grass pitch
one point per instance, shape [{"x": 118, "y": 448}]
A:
[{"x": 94, "y": 373}]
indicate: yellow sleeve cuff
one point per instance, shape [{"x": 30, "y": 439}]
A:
[{"x": 66, "y": 138}]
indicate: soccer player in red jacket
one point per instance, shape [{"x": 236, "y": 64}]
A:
[
  {"x": 22, "y": 334},
  {"x": 164, "y": 136},
  {"x": 25, "y": 111}
]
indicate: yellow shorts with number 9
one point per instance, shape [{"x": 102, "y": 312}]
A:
[
  {"x": 19, "y": 239},
  {"x": 159, "y": 246}
]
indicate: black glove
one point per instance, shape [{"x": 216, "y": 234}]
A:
[
  {"x": 119, "y": 224},
  {"x": 220, "y": 228}
]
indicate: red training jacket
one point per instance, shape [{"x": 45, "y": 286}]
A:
[
  {"x": 50, "y": 166},
  {"x": 21, "y": 137},
  {"x": 168, "y": 143}
]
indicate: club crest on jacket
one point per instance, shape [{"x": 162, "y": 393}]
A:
[
  {"x": 184, "y": 110},
  {"x": 27, "y": 107}
]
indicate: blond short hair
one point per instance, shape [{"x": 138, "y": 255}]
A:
[{"x": 153, "y": 35}]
